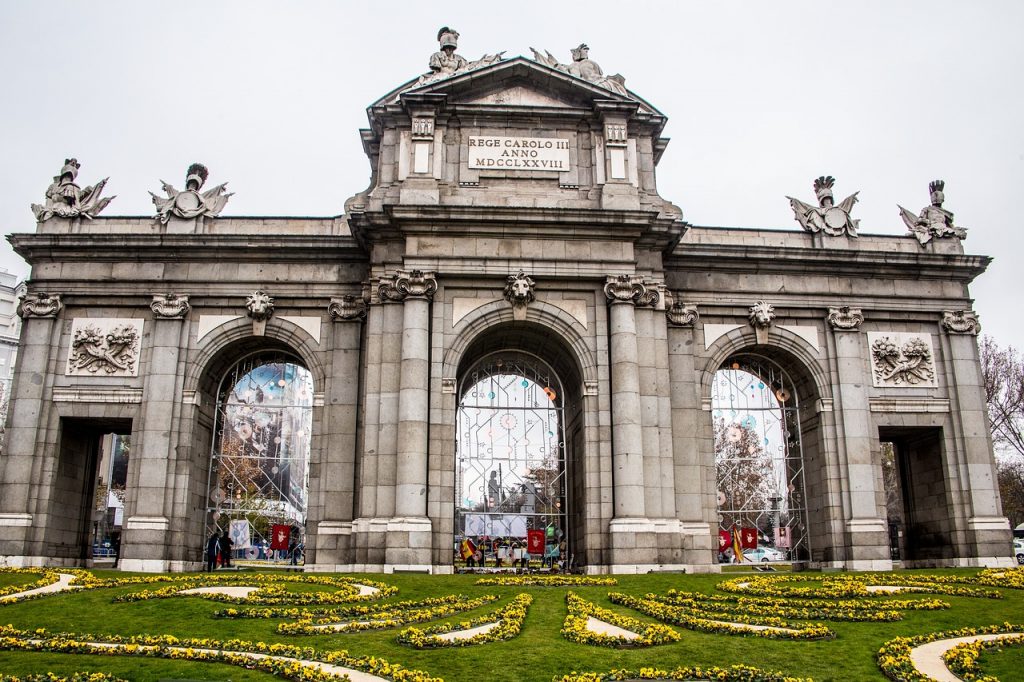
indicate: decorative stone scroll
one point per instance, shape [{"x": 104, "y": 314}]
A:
[
  {"x": 902, "y": 359},
  {"x": 39, "y": 305},
  {"x": 170, "y": 307},
  {"x": 845, "y": 318},
  {"x": 403, "y": 285},
  {"x": 961, "y": 322},
  {"x": 681, "y": 315},
  {"x": 259, "y": 306},
  {"x": 104, "y": 347},
  {"x": 934, "y": 221},
  {"x": 826, "y": 217},
  {"x": 348, "y": 308},
  {"x": 630, "y": 289},
  {"x": 191, "y": 203},
  {"x": 65, "y": 199}
]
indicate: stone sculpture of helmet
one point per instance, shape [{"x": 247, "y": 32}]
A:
[
  {"x": 70, "y": 167},
  {"x": 197, "y": 173},
  {"x": 448, "y": 37}
]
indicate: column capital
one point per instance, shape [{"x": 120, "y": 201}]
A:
[
  {"x": 630, "y": 289},
  {"x": 170, "y": 306},
  {"x": 680, "y": 314},
  {"x": 845, "y": 318},
  {"x": 414, "y": 284},
  {"x": 348, "y": 308},
  {"x": 961, "y": 322},
  {"x": 40, "y": 305}
]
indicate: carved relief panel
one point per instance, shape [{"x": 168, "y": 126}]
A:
[
  {"x": 104, "y": 346},
  {"x": 901, "y": 359}
]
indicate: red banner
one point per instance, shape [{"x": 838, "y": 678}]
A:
[
  {"x": 279, "y": 534},
  {"x": 724, "y": 538},
  {"x": 748, "y": 538},
  {"x": 535, "y": 541}
]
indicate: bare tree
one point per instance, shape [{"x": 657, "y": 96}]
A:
[
  {"x": 1011, "y": 488},
  {"x": 1003, "y": 373}
]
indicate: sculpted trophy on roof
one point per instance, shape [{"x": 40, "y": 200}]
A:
[
  {"x": 583, "y": 67},
  {"x": 190, "y": 202},
  {"x": 65, "y": 199},
  {"x": 934, "y": 221},
  {"x": 446, "y": 62},
  {"x": 826, "y": 217}
]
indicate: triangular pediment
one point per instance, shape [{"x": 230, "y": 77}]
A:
[{"x": 517, "y": 82}]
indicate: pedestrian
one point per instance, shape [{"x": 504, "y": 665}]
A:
[
  {"x": 117, "y": 548},
  {"x": 212, "y": 550},
  {"x": 225, "y": 549}
]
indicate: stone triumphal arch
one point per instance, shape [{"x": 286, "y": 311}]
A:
[{"x": 509, "y": 338}]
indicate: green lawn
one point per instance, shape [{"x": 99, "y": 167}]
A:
[{"x": 538, "y": 653}]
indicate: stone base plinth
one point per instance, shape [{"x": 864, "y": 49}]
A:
[
  {"x": 332, "y": 545},
  {"x": 14, "y": 535},
  {"x": 867, "y": 547},
  {"x": 641, "y": 545},
  {"x": 144, "y": 545}
]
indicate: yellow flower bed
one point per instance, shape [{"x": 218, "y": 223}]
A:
[
  {"x": 575, "y": 628},
  {"x": 271, "y": 589},
  {"x": 383, "y": 617},
  {"x": 73, "y": 677},
  {"x": 962, "y": 660},
  {"x": 801, "y": 609},
  {"x": 894, "y": 656},
  {"x": 726, "y": 624},
  {"x": 846, "y": 586},
  {"x": 299, "y": 666},
  {"x": 47, "y": 576},
  {"x": 556, "y": 580},
  {"x": 509, "y": 621},
  {"x": 736, "y": 673}
]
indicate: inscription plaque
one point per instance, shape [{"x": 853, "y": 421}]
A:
[{"x": 519, "y": 153}]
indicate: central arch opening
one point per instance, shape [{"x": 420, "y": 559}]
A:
[{"x": 511, "y": 478}]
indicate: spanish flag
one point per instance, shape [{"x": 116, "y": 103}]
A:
[
  {"x": 737, "y": 545},
  {"x": 467, "y": 549}
]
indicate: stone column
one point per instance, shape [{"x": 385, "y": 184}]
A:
[
  {"x": 866, "y": 530},
  {"x": 408, "y": 542},
  {"x": 25, "y": 421},
  {"x": 988, "y": 531},
  {"x": 335, "y": 495},
  {"x": 144, "y": 546}
]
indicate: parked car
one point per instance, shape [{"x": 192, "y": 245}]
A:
[
  {"x": 1018, "y": 550},
  {"x": 763, "y": 555}
]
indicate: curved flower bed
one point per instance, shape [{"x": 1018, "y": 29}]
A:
[
  {"x": 288, "y": 662},
  {"x": 47, "y": 576},
  {"x": 556, "y": 580},
  {"x": 724, "y": 623},
  {"x": 384, "y": 618},
  {"x": 894, "y": 656},
  {"x": 736, "y": 673},
  {"x": 575, "y": 627},
  {"x": 354, "y": 610},
  {"x": 845, "y": 586},
  {"x": 962, "y": 660},
  {"x": 272, "y": 591},
  {"x": 800, "y": 609},
  {"x": 74, "y": 677},
  {"x": 509, "y": 619}
]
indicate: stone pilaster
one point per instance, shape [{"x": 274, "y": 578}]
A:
[
  {"x": 145, "y": 545},
  {"x": 408, "y": 540},
  {"x": 331, "y": 518},
  {"x": 867, "y": 542},
  {"x": 988, "y": 531},
  {"x": 25, "y": 424}
]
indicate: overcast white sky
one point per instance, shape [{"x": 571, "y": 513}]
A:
[{"x": 762, "y": 97}]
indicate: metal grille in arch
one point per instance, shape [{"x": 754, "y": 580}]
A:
[
  {"x": 759, "y": 462},
  {"x": 510, "y": 454}
]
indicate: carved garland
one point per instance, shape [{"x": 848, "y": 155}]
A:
[
  {"x": 112, "y": 352},
  {"x": 961, "y": 322},
  {"x": 910, "y": 363}
]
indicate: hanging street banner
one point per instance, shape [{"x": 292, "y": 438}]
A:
[{"x": 240, "y": 535}]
